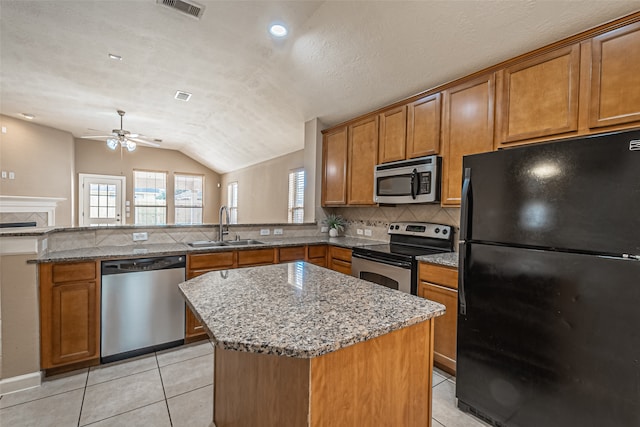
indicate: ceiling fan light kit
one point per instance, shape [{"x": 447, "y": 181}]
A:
[{"x": 123, "y": 138}]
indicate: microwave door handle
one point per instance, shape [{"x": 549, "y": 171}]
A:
[{"x": 414, "y": 177}]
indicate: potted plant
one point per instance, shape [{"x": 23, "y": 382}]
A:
[{"x": 336, "y": 224}]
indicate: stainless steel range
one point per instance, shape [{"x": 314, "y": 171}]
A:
[{"x": 394, "y": 264}]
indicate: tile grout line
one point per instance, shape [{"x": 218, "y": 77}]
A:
[
  {"x": 84, "y": 392},
  {"x": 166, "y": 401}
]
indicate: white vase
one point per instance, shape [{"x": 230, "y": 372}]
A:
[{"x": 333, "y": 232}]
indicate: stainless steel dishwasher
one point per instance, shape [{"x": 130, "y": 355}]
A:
[{"x": 142, "y": 308}]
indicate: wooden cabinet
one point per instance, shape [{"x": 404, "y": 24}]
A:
[
  {"x": 293, "y": 253},
  {"x": 393, "y": 135},
  {"x": 467, "y": 129},
  {"x": 256, "y": 257},
  {"x": 340, "y": 259},
  {"x": 440, "y": 284},
  {"x": 423, "y": 126},
  {"x": 615, "y": 77},
  {"x": 69, "y": 314},
  {"x": 317, "y": 255},
  {"x": 539, "y": 97},
  {"x": 334, "y": 167},
  {"x": 363, "y": 157}
]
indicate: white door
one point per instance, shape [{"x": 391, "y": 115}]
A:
[{"x": 101, "y": 200}]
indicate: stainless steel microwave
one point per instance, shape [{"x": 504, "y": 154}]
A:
[{"x": 408, "y": 181}]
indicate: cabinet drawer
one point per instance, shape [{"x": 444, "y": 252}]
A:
[
  {"x": 320, "y": 262},
  {"x": 445, "y": 276},
  {"x": 256, "y": 257},
  {"x": 317, "y": 251},
  {"x": 210, "y": 261},
  {"x": 341, "y": 266},
  {"x": 343, "y": 254},
  {"x": 295, "y": 253},
  {"x": 73, "y": 272}
]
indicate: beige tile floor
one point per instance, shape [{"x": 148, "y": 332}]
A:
[{"x": 172, "y": 388}]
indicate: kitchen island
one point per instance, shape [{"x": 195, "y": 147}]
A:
[{"x": 300, "y": 345}]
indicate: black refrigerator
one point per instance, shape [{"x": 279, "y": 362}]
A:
[{"x": 549, "y": 284}]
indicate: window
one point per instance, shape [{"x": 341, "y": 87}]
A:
[
  {"x": 232, "y": 202},
  {"x": 188, "y": 199},
  {"x": 296, "y": 196},
  {"x": 150, "y": 197}
]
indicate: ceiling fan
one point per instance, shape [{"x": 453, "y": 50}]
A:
[{"x": 123, "y": 138}]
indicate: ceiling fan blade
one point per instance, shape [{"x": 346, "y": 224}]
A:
[
  {"x": 96, "y": 136},
  {"x": 143, "y": 142}
]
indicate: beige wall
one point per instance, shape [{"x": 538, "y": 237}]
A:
[
  {"x": 42, "y": 159},
  {"x": 95, "y": 158},
  {"x": 263, "y": 189}
]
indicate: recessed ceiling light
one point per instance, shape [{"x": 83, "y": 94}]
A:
[
  {"x": 182, "y": 96},
  {"x": 28, "y": 116},
  {"x": 116, "y": 57},
  {"x": 278, "y": 30}
]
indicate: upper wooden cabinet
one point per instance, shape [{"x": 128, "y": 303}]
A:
[
  {"x": 467, "y": 129},
  {"x": 334, "y": 167},
  {"x": 423, "y": 126},
  {"x": 538, "y": 97},
  {"x": 69, "y": 314},
  {"x": 393, "y": 134},
  {"x": 615, "y": 77},
  {"x": 363, "y": 157}
]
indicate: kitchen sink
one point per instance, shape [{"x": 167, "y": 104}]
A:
[
  {"x": 206, "y": 244},
  {"x": 243, "y": 242}
]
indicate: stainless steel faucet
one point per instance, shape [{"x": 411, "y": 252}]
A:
[{"x": 222, "y": 232}]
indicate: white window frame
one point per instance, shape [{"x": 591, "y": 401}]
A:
[
  {"x": 176, "y": 207},
  {"x": 231, "y": 206},
  {"x": 166, "y": 205},
  {"x": 86, "y": 178},
  {"x": 291, "y": 196}
]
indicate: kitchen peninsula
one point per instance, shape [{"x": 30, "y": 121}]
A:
[{"x": 298, "y": 345}]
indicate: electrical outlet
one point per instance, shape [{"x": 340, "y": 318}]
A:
[
  {"x": 367, "y": 232},
  {"x": 4, "y": 129},
  {"x": 137, "y": 237},
  {"x": 324, "y": 229},
  {"x": 265, "y": 231},
  {"x": 44, "y": 244},
  {"x": 12, "y": 175},
  {"x": 277, "y": 231},
  {"x": 4, "y": 174},
  {"x": 359, "y": 231}
]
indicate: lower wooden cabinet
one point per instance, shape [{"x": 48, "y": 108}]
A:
[
  {"x": 69, "y": 314},
  {"x": 317, "y": 255},
  {"x": 340, "y": 259},
  {"x": 440, "y": 284}
]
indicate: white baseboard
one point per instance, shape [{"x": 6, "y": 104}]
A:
[{"x": 21, "y": 382}]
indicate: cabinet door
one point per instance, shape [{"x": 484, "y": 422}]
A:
[
  {"x": 334, "y": 168},
  {"x": 615, "y": 77},
  {"x": 256, "y": 257},
  {"x": 363, "y": 157},
  {"x": 293, "y": 253},
  {"x": 539, "y": 97},
  {"x": 194, "y": 330},
  {"x": 423, "y": 126},
  {"x": 444, "y": 341},
  {"x": 467, "y": 129},
  {"x": 393, "y": 134},
  {"x": 69, "y": 315}
]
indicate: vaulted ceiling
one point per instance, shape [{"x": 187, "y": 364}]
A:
[{"x": 252, "y": 93}]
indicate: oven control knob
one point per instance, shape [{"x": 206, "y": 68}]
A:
[
  {"x": 437, "y": 230},
  {"x": 444, "y": 231},
  {"x": 397, "y": 227}
]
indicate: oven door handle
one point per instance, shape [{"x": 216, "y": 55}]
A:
[{"x": 383, "y": 261}]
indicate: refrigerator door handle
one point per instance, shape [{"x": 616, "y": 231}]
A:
[
  {"x": 466, "y": 205},
  {"x": 462, "y": 300}
]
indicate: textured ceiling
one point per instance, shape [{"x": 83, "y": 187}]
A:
[{"x": 252, "y": 94}]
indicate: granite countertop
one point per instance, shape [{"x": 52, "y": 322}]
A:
[
  {"x": 298, "y": 309},
  {"x": 141, "y": 250},
  {"x": 447, "y": 259}
]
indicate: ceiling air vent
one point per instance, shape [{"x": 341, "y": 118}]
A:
[
  {"x": 182, "y": 96},
  {"x": 187, "y": 7}
]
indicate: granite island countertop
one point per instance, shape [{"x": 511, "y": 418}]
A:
[{"x": 298, "y": 309}]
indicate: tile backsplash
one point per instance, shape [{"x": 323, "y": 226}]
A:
[{"x": 40, "y": 218}]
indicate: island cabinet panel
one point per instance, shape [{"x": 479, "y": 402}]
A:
[
  {"x": 467, "y": 129},
  {"x": 334, "y": 167},
  {"x": 385, "y": 381},
  {"x": 293, "y": 253},
  {"x": 440, "y": 284},
  {"x": 69, "y": 314},
  {"x": 317, "y": 254},
  {"x": 615, "y": 77},
  {"x": 423, "y": 126},
  {"x": 363, "y": 157},
  {"x": 539, "y": 97},
  {"x": 340, "y": 259},
  {"x": 256, "y": 257},
  {"x": 393, "y": 134}
]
